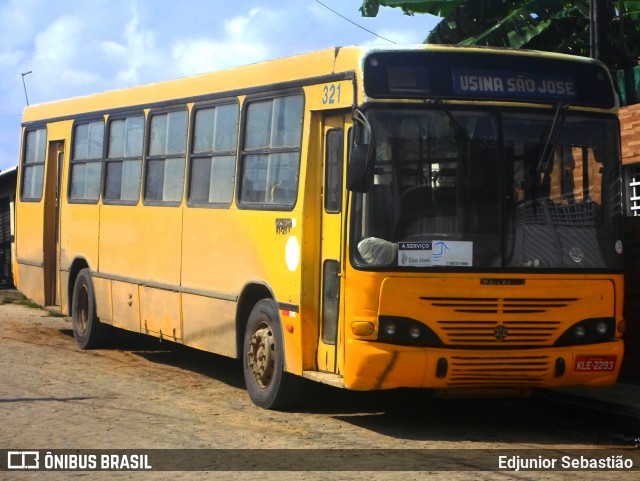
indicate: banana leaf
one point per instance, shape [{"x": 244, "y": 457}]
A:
[
  {"x": 439, "y": 8},
  {"x": 551, "y": 25}
]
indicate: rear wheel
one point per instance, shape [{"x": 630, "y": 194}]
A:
[
  {"x": 87, "y": 329},
  {"x": 269, "y": 386}
]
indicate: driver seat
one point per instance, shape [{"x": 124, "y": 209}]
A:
[{"x": 418, "y": 212}]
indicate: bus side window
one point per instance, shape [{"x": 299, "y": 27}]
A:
[
  {"x": 33, "y": 164},
  {"x": 333, "y": 171},
  {"x": 123, "y": 165},
  {"x": 86, "y": 161},
  {"x": 213, "y": 155},
  {"x": 271, "y": 152},
  {"x": 166, "y": 157}
]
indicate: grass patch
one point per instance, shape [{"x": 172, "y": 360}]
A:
[
  {"x": 24, "y": 302},
  {"x": 32, "y": 305}
]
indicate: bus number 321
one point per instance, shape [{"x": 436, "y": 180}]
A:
[{"x": 331, "y": 94}]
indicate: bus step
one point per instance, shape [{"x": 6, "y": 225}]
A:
[{"x": 330, "y": 378}]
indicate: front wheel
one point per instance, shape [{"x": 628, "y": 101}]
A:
[
  {"x": 87, "y": 329},
  {"x": 269, "y": 386}
]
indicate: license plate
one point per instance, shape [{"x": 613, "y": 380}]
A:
[{"x": 594, "y": 363}]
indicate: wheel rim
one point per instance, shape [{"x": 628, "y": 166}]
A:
[
  {"x": 262, "y": 355},
  {"x": 82, "y": 309}
]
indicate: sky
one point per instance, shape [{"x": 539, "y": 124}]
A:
[{"x": 78, "y": 47}]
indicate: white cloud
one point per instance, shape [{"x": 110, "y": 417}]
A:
[
  {"x": 136, "y": 52},
  {"x": 16, "y": 22},
  {"x": 11, "y": 58},
  {"x": 194, "y": 56},
  {"x": 56, "y": 53},
  {"x": 237, "y": 27},
  {"x": 58, "y": 42},
  {"x": 242, "y": 44},
  {"x": 76, "y": 48}
]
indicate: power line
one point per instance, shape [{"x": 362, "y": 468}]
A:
[{"x": 354, "y": 23}]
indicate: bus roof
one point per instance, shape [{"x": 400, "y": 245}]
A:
[{"x": 333, "y": 63}]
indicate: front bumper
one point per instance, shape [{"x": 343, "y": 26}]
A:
[{"x": 372, "y": 365}]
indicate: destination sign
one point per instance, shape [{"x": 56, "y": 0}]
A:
[
  {"x": 487, "y": 75},
  {"x": 513, "y": 85}
]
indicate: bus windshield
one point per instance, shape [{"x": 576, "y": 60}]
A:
[{"x": 501, "y": 189}]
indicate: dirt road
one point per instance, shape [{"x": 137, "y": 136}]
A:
[{"x": 142, "y": 394}]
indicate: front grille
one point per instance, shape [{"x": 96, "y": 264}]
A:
[
  {"x": 468, "y": 371},
  {"x": 506, "y": 321},
  {"x": 507, "y": 332},
  {"x": 499, "y": 306}
]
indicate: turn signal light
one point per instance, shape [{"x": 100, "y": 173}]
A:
[{"x": 362, "y": 328}]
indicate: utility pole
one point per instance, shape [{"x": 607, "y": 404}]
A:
[
  {"x": 25, "y": 86},
  {"x": 594, "y": 50},
  {"x": 601, "y": 14}
]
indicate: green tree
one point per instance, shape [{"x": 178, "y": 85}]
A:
[{"x": 603, "y": 29}]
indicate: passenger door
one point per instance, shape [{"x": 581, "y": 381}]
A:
[
  {"x": 51, "y": 240},
  {"x": 331, "y": 301}
]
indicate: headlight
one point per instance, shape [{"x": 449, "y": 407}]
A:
[
  {"x": 390, "y": 328},
  {"x": 406, "y": 331},
  {"x": 587, "y": 331},
  {"x": 601, "y": 328},
  {"x": 414, "y": 332}
]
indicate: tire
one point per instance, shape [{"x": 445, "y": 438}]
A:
[
  {"x": 268, "y": 384},
  {"x": 87, "y": 329}
]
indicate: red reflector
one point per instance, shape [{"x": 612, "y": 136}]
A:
[{"x": 594, "y": 363}]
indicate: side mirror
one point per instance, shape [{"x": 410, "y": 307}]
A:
[{"x": 360, "y": 169}]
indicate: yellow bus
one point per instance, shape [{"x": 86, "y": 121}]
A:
[{"x": 370, "y": 218}]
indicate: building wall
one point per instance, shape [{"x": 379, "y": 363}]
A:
[
  {"x": 7, "y": 198},
  {"x": 630, "y": 138},
  {"x": 630, "y": 133}
]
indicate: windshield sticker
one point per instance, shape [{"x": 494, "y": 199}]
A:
[
  {"x": 453, "y": 253},
  {"x": 414, "y": 254},
  {"x": 436, "y": 253}
]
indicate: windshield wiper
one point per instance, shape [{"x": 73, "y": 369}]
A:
[
  {"x": 552, "y": 138},
  {"x": 454, "y": 121}
]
